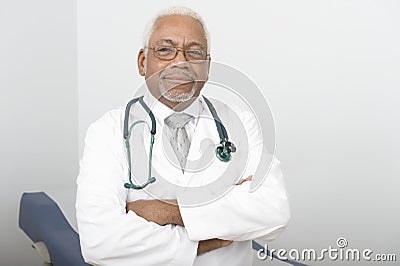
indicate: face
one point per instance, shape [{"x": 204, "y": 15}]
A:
[{"x": 175, "y": 80}]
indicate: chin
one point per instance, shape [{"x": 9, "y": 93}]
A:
[{"x": 178, "y": 94}]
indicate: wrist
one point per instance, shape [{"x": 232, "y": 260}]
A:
[{"x": 175, "y": 214}]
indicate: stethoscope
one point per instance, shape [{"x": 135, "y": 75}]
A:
[{"x": 222, "y": 152}]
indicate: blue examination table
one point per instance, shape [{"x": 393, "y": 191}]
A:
[
  {"x": 53, "y": 236},
  {"x": 42, "y": 220}
]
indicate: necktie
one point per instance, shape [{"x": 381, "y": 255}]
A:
[{"x": 179, "y": 138}]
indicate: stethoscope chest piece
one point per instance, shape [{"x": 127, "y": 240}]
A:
[{"x": 223, "y": 151}]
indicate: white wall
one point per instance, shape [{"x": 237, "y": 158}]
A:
[
  {"x": 330, "y": 71},
  {"x": 39, "y": 111}
]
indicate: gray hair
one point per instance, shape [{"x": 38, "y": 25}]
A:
[{"x": 176, "y": 10}]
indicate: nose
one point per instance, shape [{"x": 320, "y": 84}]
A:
[{"x": 179, "y": 58}]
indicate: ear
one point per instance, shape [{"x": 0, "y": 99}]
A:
[{"x": 141, "y": 62}]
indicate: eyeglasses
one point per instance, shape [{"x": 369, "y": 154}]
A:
[{"x": 168, "y": 53}]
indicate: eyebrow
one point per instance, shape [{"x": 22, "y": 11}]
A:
[
  {"x": 195, "y": 44},
  {"x": 169, "y": 41}
]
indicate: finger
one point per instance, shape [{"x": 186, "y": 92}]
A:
[
  {"x": 241, "y": 181},
  {"x": 226, "y": 243}
]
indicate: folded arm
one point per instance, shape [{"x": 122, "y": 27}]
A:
[
  {"x": 246, "y": 215},
  {"x": 167, "y": 212},
  {"x": 162, "y": 212},
  {"x": 260, "y": 214},
  {"x": 240, "y": 214}
]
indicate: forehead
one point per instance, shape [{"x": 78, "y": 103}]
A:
[{"x": 181, "y": 29}]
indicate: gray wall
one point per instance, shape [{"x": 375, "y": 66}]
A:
[{"x": 39, "y": 111}]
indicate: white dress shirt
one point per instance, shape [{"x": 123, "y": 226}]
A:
[{"x": 110, "y": 236}]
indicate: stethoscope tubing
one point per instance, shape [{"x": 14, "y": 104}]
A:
[{"x": 222, "y": 152}]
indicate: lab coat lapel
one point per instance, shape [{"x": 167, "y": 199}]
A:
[
  {"x": 165, "y": 163},
  {"x": 201, "y": 162}
]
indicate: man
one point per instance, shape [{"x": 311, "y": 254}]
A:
[{"x": 120, "y": 226}]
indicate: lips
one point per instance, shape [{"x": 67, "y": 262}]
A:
[{"x": 178, "y": 78}]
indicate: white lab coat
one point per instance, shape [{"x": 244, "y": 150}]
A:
[{"x": 110, "y": 236}]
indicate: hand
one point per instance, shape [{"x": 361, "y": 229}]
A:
[
  {"x": 211, "y": 244},
  {"x": 241, "y": 181},
  {"x": 160, "y": 212}
]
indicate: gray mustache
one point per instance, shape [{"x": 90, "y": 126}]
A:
[{"x": 178, "y": 71}]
